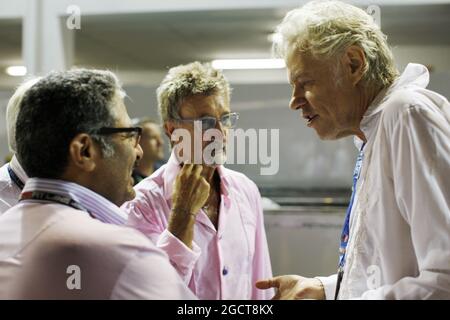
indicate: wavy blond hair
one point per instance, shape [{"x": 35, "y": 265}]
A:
[
  {"x": 187, "y": 80},
  {"x": 325, "y": 29}
]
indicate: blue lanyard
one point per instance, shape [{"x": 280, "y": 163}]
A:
[
  {"x": 19, "y": 183},
  {"x": 346, "y": 229}
]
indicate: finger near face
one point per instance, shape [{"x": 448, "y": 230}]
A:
[
  {"x": 197, "y": 170},
  {"x": 204, "y": 183},
  {"x": 187, "y": 168}
]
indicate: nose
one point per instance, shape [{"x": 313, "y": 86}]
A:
[
  {"x": 223, "y": 130},
  {"x": 139, "y": 152},
  {"x": 219, "y": 126},
  {"x": 298, "y": 100}
]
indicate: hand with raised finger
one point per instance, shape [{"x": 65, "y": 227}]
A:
[
  {"x": 190, "y": 193},
  {"x": 293, "y": 287}
]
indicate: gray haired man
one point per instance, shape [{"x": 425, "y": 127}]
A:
[
  {"x": 65, "y": 238},
  {"x": 395, "y": 242}
]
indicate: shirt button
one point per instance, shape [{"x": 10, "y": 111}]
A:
[{"x": 225, "y": 271}]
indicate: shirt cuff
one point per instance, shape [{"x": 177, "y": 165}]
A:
[
  {"x": 180, "y": 255},
  {"x": 329, "y": 286}
]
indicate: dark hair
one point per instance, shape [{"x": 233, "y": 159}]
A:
[{"x": 56, "y": 109}]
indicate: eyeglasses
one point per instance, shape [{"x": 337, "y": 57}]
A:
[
  {"x": 228, "y": 121},
  {"x": 134, "y": 132}
]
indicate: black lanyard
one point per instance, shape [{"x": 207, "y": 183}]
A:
[
  {"x": 51, "y": 197},
  {"x": 19, "y": 183}
]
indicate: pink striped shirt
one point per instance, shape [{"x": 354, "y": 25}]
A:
[
  {"x": 224, "y": 263},
  {"x": 40, "y": 240}
]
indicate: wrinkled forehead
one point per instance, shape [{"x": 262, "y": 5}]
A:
[
  {"x": 298, "y": 64},
  {"x": 304, "y": 66}
]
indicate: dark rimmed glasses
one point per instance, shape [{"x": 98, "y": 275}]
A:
[
  {"x": 228, "y": 121},
  {"x": 134, "y": 132}
]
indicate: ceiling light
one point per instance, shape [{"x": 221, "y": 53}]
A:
[
  {"x": 248, "y": 64},
  {"x": 16, "y": 71}
]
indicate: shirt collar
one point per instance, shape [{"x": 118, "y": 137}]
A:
[
  {"x": 99, "y": 207},
  {"x": 413, "y": 75},
  {"x": 173, "y": 168},
  {"x": 18, "y": 170}
]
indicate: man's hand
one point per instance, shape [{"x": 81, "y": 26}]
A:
[
  {"x": 190, "y": 193},
  {"x": 292, "y": 287}
]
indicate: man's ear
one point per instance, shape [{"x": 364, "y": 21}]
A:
[
  {"x": 354, "y": 62},
  {"x": 169, "y": 128},
  {"x": 84, "y": 153}
]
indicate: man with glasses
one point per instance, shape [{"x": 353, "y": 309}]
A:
[
  {"x": 65, "y": 238},
  {"x": 217, "y": 241}
]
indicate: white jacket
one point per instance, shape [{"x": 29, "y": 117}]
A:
[{"x": 399, "y": 245}]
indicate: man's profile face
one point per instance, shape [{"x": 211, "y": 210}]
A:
[
  {"x": 116, "y": 171},
  {"x": 326, "y": 106}
]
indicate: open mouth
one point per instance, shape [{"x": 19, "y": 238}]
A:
[{"x": 311, "y": 119}]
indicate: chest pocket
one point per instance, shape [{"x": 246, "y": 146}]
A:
[{"x": 248, "y": 222}]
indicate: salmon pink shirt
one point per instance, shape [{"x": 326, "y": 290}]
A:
[{"x": 223, "y": 263}]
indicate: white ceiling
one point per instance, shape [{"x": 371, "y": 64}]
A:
[
  {"x": 158, "y": 40},
  {"x": 155, "y": 41}
]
